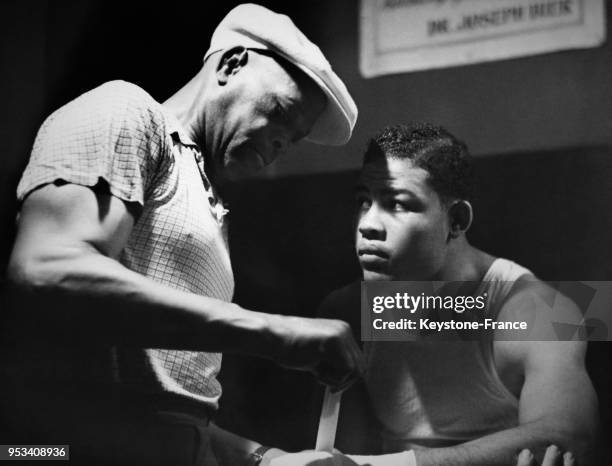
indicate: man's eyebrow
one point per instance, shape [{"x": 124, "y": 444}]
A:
[
  {"x": 281, "y": 106},
  {"x": 290, "y": 119},
  {"x": 393, "y": 191},
  {"x": 386, "y": 190}
]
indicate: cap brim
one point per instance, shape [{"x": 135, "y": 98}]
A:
[{"x": 332, "y": 127}]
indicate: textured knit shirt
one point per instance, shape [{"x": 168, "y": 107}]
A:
[{"x": 119, "y": 134}]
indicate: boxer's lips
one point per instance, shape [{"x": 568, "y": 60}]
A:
[
  {"x": 372, "y": 251},
  {"x": 372, "y": 258}
]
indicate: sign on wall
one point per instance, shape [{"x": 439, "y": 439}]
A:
[{"x": 410, "y": 35}]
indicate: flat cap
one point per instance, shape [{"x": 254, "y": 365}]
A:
[{"x": 255, "y": 27}]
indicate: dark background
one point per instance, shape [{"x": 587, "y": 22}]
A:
[
  {"x": 52, "y": 51},
  {"x": 540, "y": 128}
]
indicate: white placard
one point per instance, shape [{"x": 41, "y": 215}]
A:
[{"x": 410, "y": 35}]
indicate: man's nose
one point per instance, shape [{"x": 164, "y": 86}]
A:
[
  {"x": 370, "y": 225},
  {"x": 279, "y": 146},
  {"x": 276, "y": 146}
]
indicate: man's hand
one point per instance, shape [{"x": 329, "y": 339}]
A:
[
  {"x": 324, "y": 347},
  {"x": 552, "y": 457}
]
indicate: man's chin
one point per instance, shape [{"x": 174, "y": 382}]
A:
[
  {"x": 243, "y": 162},
  {"x": 371, "y": 276}
]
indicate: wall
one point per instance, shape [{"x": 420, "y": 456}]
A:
[
  {"x": 549, "y": 101},
  {"x": 58, "y": 50}
]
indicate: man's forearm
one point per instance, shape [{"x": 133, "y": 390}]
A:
[
  {"x": 90, "y": 297},
  {"x": 502, "y": 447},
  {"x": 230, "y": 448},
  {"x": 234, "y": 450}
]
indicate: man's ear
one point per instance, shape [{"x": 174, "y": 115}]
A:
[
  {"x": 460, "y": 215},
  {"x": 231, "y": 62}
]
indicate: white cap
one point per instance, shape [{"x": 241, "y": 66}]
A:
[{"x": 255, "y": 27}]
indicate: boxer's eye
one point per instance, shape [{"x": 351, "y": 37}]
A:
[
  {"x": 363, "y": 202},
  {"x": 402, "y": 205},
  {"x": 398, "y": 206}
]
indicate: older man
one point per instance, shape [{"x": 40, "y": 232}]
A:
[{"x": 122, "y": 250}]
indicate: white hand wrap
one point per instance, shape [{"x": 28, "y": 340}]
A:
[{"x": 404, "y": 458}]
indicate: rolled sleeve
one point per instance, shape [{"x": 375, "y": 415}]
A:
[{"x": 114, "y": 133}]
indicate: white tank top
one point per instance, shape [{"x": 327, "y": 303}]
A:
[{"x": 440, "y": 393}]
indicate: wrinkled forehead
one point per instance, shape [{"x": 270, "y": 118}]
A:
[{"x": 300, "y": 106}]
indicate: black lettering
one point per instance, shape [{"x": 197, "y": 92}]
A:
[
  {"x": 513, "y": 14},
  {"x": 439, "y": 26},
  {"x": 550, "y": 9},
  {"x": 467, "y": 23},
  {"x": 491, "y": 18},
  {"x": 535, "y": 11},
  {"x": 566, "y": 7}
]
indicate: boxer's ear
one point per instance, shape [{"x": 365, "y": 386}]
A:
[
  {"x": 460, "y": 216},
  {"x": 231, "y": 62}
]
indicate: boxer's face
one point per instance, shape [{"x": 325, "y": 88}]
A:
[
  {"x": 402, "y": 225},
  {"x": 264, "y": 113}
]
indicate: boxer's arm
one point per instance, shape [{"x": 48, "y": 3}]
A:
[
  {"x": 557, "y": 402},
  {"x": 556, "y": 407}
]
